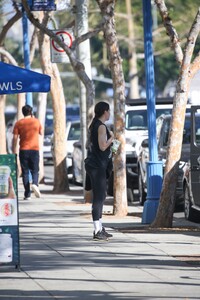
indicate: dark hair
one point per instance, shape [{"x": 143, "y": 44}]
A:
[
  {"x": 27, "y": 110},
  {"x": 100, "y": 108}
]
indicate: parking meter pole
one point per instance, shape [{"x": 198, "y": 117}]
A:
[
  {"x": 154, "y": 172},
  {"x": 29, "y": 98}
]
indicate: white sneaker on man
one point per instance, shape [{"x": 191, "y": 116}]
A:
[{"x": 36, "y": 190}]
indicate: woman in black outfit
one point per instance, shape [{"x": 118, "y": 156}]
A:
[{"x": 96, "y": 163}]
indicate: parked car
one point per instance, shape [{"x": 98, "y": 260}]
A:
[
  {"x": 76, "y": 155},
  {"x": 72, "y": 114},
  {"x": 136, "y": 130},
  {"x": 163, "y": 126},
  {"x": 73, "y": 133},
  {"x": 48, "y": 131},
  {"x": 191, "y": 172}
]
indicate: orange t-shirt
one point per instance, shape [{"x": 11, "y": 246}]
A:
[{"x": 28, "y": 130}]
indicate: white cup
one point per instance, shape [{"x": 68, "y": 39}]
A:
[{"x": 115, "y": 145}]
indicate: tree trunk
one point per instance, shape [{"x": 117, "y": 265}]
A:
[
  {"x": 120, "y": 195},
  {"x": 164, "y": 217},
  {"x": 61, "y": 183},
  {"x": 7, "y": 58},
  {"x": 133, "y": 77}
]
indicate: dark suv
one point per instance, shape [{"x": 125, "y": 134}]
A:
[
  {"x": 163, "y": 126},
  {"x": 191, "y": 176}
]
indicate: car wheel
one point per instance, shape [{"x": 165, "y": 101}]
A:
[
  {"x": 190, "y": 213},
  {"x": 73, "y": 179},
  {"x": 142, "y": 194}
]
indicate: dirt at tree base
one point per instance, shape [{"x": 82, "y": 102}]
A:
[{"x": 149, "y": 229}]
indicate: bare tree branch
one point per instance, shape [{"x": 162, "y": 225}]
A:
[
  {"x": 171, "y": 31},
  {"x": 51, "y": 34},
  {"x": 87, "y": 35},
  {"x": 195, "y": 66},
  {"x": 9, "y": 57},
  {"x": 10, "y": 23},
  {"x": 77, "y": 66},
  {"x": 189, "y": 49},
  {"x": 33, "y": 44}
]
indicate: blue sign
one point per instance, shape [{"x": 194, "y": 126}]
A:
[
  {"x": 15, "y": 80},
  {"x": 44, "y": 5}
]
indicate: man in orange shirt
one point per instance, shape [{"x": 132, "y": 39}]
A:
[{"x": 28, "y": 129}]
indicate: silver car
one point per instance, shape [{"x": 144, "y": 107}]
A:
[{"x": 73, "y": 133}]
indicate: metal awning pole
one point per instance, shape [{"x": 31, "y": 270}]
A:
[{"x": 29, "y": 98}]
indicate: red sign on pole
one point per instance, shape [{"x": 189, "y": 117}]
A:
[{"x": 58, "y": 55}]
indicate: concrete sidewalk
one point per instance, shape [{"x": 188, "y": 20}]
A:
[{"x": 59, "y": 259}]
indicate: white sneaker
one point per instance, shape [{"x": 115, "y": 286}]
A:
[{"x": 36, "y": 190}]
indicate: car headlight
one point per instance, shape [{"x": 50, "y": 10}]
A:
[{"x": 47, "y": 140}]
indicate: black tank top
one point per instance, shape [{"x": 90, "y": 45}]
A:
[{"x": 96, "y": 157}]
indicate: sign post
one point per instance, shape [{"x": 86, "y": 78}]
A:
[{"x": 58, "y": 55}]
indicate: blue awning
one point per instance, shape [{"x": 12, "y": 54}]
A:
[{"x": 15, "y": 80}]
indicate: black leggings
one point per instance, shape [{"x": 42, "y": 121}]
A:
[{"x": 98, "y": 183}]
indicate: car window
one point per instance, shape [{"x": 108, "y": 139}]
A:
[
  {"x": 48, "y": 124},
  {"x": 159, "y": 124},
  {"x": 9, "y": 117},
  {"x": 72, "y": 113},
  {"x": 186, "y": 130},
  {"x": 197, "y": 128},
  {"x": 137, "y": 119},
  {"x": 74, "y": 132},
  {"x": 166, "y": 131},
  {"x": 49, "y": 120}
]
